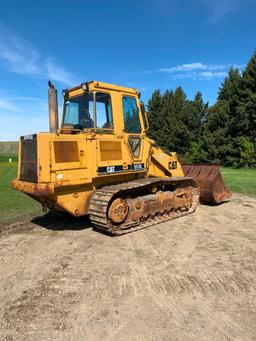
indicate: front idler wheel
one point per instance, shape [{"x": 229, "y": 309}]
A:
[{"x": 118, "y": 211}]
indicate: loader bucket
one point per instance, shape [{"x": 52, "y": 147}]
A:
[{"x": 209, "y": 179}]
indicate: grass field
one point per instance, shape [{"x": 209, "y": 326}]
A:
[
  {"x": 5, "y": 158},
  {"x": 15, "y": 205},
  {"x": 240, "y": 180}
]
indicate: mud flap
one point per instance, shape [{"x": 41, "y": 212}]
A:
[{"x": 210, "y": 181}]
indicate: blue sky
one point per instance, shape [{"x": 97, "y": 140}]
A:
[{"x": 145, "y": 44}]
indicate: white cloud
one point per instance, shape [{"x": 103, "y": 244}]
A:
[
  {"x": 21, "y": 57},
  {"x": 198, "y": 70},
  {"x": 17, "y": 53},
  {"x": 8, "y": 105},
  {"x": 193, "y": 66},
  {"x": 200, "y": 75},
  {"x": 212, "y": 74},
  {"x": 217, "y": 10},
  {"x": 220, "y": 9},
  {"x": 57, "y": 73},
  {"x": 21, "y": 116}
]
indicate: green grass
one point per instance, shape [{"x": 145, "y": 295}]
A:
[
  {"x": 13, "y": 205},
  {"x": 240, "y": 180},
  {"x": 4, "y": 158}
]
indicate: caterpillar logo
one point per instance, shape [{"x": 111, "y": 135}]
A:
[{"x": 118, "y": 169}]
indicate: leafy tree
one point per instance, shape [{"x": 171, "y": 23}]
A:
[{"x": 247, "y": 151}]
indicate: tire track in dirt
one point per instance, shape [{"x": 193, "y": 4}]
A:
[
  {"x": 196, "y": 316},
  {"x": 193, "y": 278},
  {"x": 38, "y": 292}
]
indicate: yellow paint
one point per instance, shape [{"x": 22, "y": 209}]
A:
[{"x": 72, "y": 183}]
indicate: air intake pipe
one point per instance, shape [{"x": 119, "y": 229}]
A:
[{"x": 53, "y": 108}]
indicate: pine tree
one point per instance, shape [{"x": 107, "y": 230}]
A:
[
  {"x": 246, "y": 102},
  {"x": 155, "y": 116},
  {"x": 229, "y": 87},
  {"x": 197, "y": 113},
  {"x": 244, "y": 124},
  {"x": 218, "y": 139},
  {"x": 168, "y": 120},
  {"x": 224, "y": 133},
  {"x": 176, "y": 132}
]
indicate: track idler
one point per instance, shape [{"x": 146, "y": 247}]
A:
[{"x": 210, "y": 182}]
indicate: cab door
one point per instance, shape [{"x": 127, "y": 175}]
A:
[
  {"x": 109, "y": 150},
  {"x": 133, "y": 130}
]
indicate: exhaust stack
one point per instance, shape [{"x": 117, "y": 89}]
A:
[{"x": 53, "y": 108}]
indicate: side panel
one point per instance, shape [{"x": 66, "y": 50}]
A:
[
  {"x": 44, "y": 157},
  {"x": 110, "y": 150},
  {"x": 163, "y": 164}
]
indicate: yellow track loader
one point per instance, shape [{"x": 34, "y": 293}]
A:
[{"x": 100, "y": 162}]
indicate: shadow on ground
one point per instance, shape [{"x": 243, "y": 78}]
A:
[{"x": 58, "y": 221}]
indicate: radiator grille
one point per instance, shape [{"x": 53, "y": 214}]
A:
[{"x": 28, "y": 169}]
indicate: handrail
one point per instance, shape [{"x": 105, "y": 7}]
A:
[{"x": 146, "y": 119}]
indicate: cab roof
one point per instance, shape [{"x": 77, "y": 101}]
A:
[{"x": 97, "y": 85}]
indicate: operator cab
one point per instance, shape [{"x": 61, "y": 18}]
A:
[
  {"x": 89, "y": 110},
  {"x": 96, "y": 107}
]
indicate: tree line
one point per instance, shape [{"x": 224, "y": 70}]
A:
[{"x": 223, "y": 133}]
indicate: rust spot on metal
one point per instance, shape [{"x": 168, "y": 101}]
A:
[
  {"x": 210, "y": 181},
  {"x": 76, "y": 195},
  {"x": 154, "y": 189},
  {"x": 179, "y": 198},
  {"x": 37, "y": 189},
  {"x": 118, "y": 210},
  {"x": 152, "y": 204}
]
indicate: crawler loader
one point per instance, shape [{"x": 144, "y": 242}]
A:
[{"x": 100, "y": 162}]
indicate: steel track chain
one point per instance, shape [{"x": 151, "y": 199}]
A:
[{"x": 101, "y": 198}]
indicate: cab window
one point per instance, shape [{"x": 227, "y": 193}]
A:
[
  {"x": 78, "y": 111},
  {"x": 131, "y": 115},
  {"x": 103, "y": 111}
]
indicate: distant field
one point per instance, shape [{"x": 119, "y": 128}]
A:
[
  {"x": 13, "y": 204},
  {"x": 9, "y": 148},
  {"x": 240, "y": 180}
]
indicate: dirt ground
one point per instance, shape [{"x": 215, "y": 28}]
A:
[{"x": 193, "y": 278}]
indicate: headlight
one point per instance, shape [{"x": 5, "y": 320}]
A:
[{"x": 84, "y": 86}]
